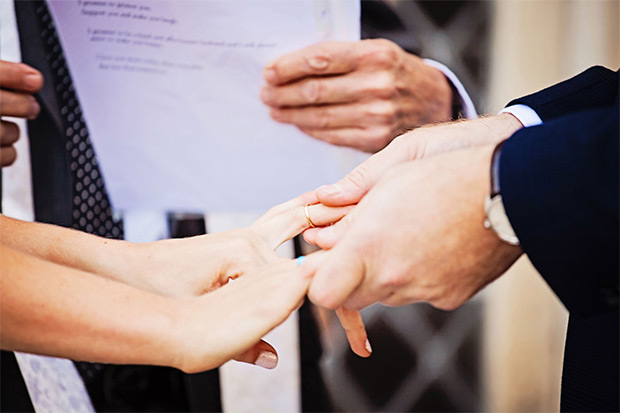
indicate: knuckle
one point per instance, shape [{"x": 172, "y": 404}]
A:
[
  {"x": 359, "y": 178},
  {"x": 384, "y": 112},
  {"x": 392, "y": 280},
  {"x": 20, "y": 105},
  {"x": 323, "y": 298},
  {"x": 312, "y": 90},
  {"x": 383, "y": 85},
  {"x": 319, "y": 61},
  {"x": 321, "y": 119},
  {"x": 383, "y": 52}
]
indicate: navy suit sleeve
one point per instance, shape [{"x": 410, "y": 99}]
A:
[
  {"x": 596, "y": 87},
  {"x": 559, "y": 183}
]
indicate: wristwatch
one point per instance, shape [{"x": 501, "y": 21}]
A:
[{"x": 495, "y": 217}]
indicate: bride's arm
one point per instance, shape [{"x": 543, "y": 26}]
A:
[
  {"x": 59, "y": 311},
  {"x": 180, "y": 267}
]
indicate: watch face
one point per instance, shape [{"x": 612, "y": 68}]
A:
[{"x": 498, "y": 221}]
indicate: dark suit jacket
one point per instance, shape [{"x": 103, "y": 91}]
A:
[{"x": 560, "y": 186}]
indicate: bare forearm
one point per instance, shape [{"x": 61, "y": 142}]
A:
[
  {"x": 105, "y": 257},
  {"x": 59, "y": 311}
]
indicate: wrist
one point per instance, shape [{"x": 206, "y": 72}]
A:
[
  {"x": 150, "y": 267},
  {"x": 440, "y": 94},
  {"x": 178, "y": 345},
  {"x": 505, "y": 125},
  {"x": 494, "y": 211},
  {"x": 425, "y": 93},
  {"x": 505, "y": 253},
  {"x": 113, "y": 259},
  {"x": 196, "y": 343}
]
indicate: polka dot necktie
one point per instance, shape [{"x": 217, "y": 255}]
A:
[{"x": 92, "y": 211}]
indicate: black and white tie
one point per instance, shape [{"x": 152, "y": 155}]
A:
[{"x": 92, "y": 211}]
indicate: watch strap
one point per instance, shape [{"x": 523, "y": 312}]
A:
[{"x": 495, "y": 188}]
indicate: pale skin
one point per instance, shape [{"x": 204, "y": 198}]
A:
[
  {"x": 358, "y": 94},
  {"x": 417, "y": 232},
  {"x": 18, "y": 84},
  {"x": 56, "y": 281},
  {"x": 64, "y": 312}
]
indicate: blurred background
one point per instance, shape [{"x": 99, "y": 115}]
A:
[{"x": 503, "y": 350}]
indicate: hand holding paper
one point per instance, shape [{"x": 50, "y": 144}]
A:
[
  {"x": 358, "y": 94},
  {"x": 18, "y": 84}
]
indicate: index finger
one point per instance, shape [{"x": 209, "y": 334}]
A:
[
  {"x": 354, "y": 327},
  {"x": 20, "y": 77},
  {"x": 326, "y": 58},
  {"x": 279, "y": 225}
]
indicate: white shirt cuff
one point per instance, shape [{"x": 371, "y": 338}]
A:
[
  {"x": 526, "y": 115},
  {"x": 469, "y": 110}
]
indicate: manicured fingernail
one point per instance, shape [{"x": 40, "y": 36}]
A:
[
  {"x": 368, "y": 347},
  {"x": 270, "y": 75},
  {"x": 267, "y": 359},
  {"x": 319, "y": 62},
  {"x": 300, "y": 260},
  {"x": 331, "y": 190},
  {"x": 32, "y": 80}
]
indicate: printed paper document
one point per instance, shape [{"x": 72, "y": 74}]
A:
[{"x": 170, "y": 93}]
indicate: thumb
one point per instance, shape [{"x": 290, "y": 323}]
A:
[
  {"x": 352, "y": 188},
  {"x": 339, "y": 275},
  {"x": 261, "y": 354}
]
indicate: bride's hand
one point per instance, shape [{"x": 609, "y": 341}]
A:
[
  {"x": 288, "y": 219},
  {"x": 197, "y": 265},
  {"x": 228, "y": 323}
]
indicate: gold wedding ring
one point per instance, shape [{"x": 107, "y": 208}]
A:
[{"x": 307, "y": 214}]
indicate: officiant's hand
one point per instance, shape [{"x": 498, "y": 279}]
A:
[
  {"x": 18, "y": 83},
  {"x": 358, "y": 94}
]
